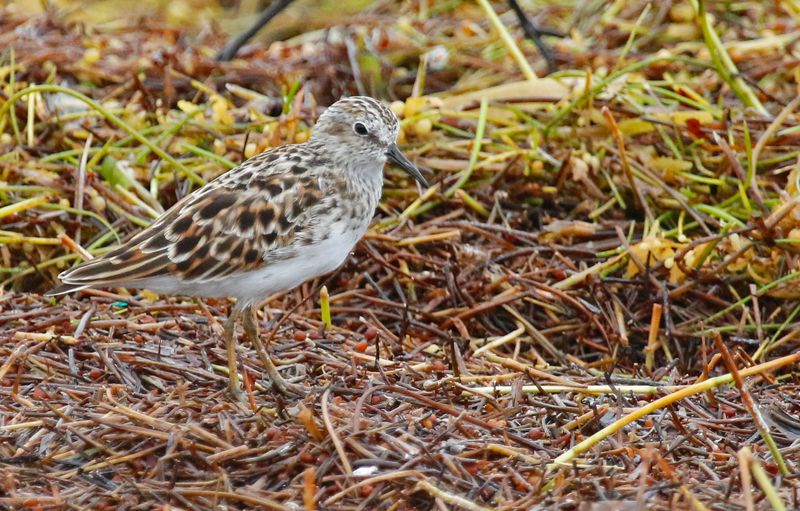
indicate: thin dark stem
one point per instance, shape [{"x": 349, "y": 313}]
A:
[
  {"x": 535, "y": 33},
  {"x": 266, "y": 15}
]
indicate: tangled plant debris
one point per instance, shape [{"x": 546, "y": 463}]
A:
[{"x": 593, "y": 307}]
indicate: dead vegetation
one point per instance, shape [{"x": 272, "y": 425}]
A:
[{"x": 594, "y": 307}]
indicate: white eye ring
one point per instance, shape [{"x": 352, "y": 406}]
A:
[{"x": 360, "y": 129}]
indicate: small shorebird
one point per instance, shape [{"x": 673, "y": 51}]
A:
[{"x": 277, "y": 220}]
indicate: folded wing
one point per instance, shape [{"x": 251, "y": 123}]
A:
[{"x": 254, "y": 214}]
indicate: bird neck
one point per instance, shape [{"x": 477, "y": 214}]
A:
[
  {"x": 362, "y": 172},
  {"x": 365, "y": 176}
]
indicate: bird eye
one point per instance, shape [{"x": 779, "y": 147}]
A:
[{"x": 360, "y": 129}]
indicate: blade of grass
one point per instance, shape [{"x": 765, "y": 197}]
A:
[
  {"x": 108, "y": 115},
  {"x": 749, "y": 404},
  {"x": 476, "y": 149},
  {"x": 325, "y": 307},
  {"x": 508, "y": 40},
  {"x": 722, "y": 61},
  {"x": 762, "y": 479},
  {"x": 19, "y": 207},
  {"x": 565, "y": 459}
]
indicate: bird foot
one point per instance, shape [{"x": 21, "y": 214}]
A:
[
  {"x": 236, "y": 393},
  {"x": 286, "y": 388},
  {"x": 276, "y": 381}
]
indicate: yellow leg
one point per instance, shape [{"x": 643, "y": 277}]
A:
[
  {"x": 251, "y": 331},
  {"x": 230, "y": 349}
]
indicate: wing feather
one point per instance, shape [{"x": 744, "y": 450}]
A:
[{"x": 239, "y": 222}]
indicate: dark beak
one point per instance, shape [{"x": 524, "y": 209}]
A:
[{"x": 395, "y": 156}]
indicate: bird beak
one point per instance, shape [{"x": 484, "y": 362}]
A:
[{"x": 398, "y": 158}]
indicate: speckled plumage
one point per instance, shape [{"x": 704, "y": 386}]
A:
[{"x": 280, "y": 218}]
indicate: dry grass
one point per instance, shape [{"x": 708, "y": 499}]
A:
[{"x": 595, "y": 306}]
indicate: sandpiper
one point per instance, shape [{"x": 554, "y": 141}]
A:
[{"x": 277, "y": 220}]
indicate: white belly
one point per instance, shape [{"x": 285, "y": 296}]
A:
[
  {"x": 277, "y": 276},
  {"x": 313, "y": 261}
]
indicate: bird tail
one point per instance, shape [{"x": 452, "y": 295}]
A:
[{"x": 65, "y": 288}]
